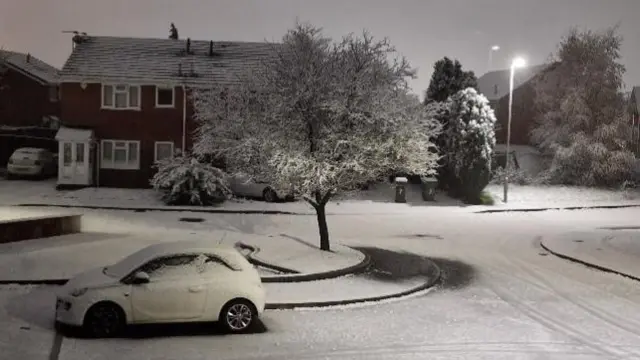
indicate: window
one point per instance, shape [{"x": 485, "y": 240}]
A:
[
  {"x": 120, "y": 154},
  {"x": 80, "y": 153},
  {"x": 121, "y": 97},
  {"x": 165, "y": 97},
  {"x": 171, "y": 266},
  {"x": 163, "y": 150}
]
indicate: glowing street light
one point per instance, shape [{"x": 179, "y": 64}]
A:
[
  {"x": 516, "y": 63},
  {"x": 491, "y": 50}
]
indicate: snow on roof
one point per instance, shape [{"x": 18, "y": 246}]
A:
[
  {"x": 30, "y": 65},
  {"x": 495, "y": 85},
  {"x": 71, "y": 134},
  {"x": 157, "y": 61}
]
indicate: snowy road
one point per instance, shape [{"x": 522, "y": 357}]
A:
[{"x": 504, "y": 299}]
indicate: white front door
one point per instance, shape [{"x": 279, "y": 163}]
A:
[{"x": 73, "y": 163}]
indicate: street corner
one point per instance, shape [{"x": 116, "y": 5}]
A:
[
  {"x": 612, "y": 250},
  {"x": 27, "y": 330}
]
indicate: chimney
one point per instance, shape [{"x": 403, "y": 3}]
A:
[
  {"x": 210, "y": 48},
  {"x": 28, "y": 57},
  {"x": 188, "y": 45},
  {"x": 180, "y": 69}
]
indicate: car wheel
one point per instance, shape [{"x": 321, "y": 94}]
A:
[
  {"x": 104, "y": 320},
  {"x": 269, "y": 195},
  {"x": 238, "y": 315}
]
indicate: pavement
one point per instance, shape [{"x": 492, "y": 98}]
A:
[{"x": 615, "y": 250}]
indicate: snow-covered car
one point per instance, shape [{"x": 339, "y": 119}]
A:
[
  {"x": 243, "y": 185},
  {"x": 31, "y": 162},
  {"x": 184, "y": 281}
]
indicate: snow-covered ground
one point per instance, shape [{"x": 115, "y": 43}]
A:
[
  {"x": 504, "y": 298},
  {"x": 618, "y": 250},
  {"x": 378, "y": 200}
]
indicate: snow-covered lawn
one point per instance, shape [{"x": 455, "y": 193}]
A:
[{"x": 559, "y": 196}]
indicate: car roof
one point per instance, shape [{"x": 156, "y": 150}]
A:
[{"x": 150, "y": 252}]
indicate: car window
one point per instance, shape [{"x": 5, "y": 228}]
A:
[
  {"x": 213, "y": 263},
  {"x": 171, "y": 266}
]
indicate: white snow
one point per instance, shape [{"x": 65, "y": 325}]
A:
[{"x": 617, "y": 250}]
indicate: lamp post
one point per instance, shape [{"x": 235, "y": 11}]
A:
[
  {"x": 491, "y": 50},
  {"x": 515, "y": 64}
]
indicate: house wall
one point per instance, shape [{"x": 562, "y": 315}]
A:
[
  {"x": 522, "y": 116},
  {"x": 82, "y": 108},
  {"x": 24, "y": 101}
]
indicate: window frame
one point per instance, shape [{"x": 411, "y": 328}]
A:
[
  {"x": 115, "y": 91},
  {"x": 155, "y": 149},
  {"x": 112, "y": 164},
  {"x": 173, "y": 97}
]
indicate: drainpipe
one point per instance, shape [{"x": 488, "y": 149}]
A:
[{"x": 184, "y": 119}]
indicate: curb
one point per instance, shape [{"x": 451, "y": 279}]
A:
[
  {"x": 587, "y": 264},
  {"x": 437, "y": 275},
  {"x": 558, "y": 208},
  {"x": 142, "y": 209},
  {"x": 292, "y": 276}
]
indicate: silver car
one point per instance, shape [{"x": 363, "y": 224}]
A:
[
  {"x": 31, "y": 162},
  {"x": 242, "y": 185}
]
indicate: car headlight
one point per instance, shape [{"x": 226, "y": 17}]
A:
[{"x": 78, "y": 292}]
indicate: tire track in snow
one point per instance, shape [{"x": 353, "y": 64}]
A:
[
  {"x": 548, "y": 321},
  {"x": 626, "y": 324}
]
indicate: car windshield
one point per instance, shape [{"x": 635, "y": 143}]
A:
[{"x": 126, "y": 265}]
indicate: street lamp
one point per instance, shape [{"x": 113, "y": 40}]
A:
[
  {"x": 491, "y": 50},
  {"x": 517, "y": 63}
]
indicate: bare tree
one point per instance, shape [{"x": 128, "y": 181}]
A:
[{"x": 320, "y": 118}]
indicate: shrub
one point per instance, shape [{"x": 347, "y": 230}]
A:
[
  {"x": 183, "y": 180},
  {"x": 470, "y": 140}
]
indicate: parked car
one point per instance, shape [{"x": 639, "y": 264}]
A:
[
  {"x": 242, "y": 185},
  {"x": 32, "y": 162},
  {"x": 184, "y": 281}
]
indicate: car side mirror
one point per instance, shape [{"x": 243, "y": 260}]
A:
[{"x": 140, "y": 277}]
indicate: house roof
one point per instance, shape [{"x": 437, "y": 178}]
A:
[
  {"x": 495, "y": 85},
  {"x": 30, "y": 66},
  {"x": 149, "y": 61}
]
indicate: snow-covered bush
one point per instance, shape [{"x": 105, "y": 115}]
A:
[
  {"x": 582, "y": 123},
  {"x": 183, "y": 180},
  {"x": 470, "y": 138}
]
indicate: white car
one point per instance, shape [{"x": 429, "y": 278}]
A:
[
  {"x": 31, "y": 162},
  {"x": 242, "y": 185},
  {"x": 184, "y": 281}
]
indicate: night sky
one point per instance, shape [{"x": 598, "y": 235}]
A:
[{"x": 422, "y": 30}]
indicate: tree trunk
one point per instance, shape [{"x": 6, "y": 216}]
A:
[{"x": 322, "y": 227}]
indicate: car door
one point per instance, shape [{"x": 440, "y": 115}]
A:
[
  {"x": 175, "y": 291},
  {"x": 217, "y": 275}
]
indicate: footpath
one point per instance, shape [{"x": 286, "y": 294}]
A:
[{"x": 615, "y": 250}]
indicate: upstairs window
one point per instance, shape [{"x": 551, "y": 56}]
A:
[
  {"x": 121, "y": 97},
  {"x": 165, "y": 97}
]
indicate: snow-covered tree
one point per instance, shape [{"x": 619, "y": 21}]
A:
[
  {"x": 320, "y": 118},
  {"x": 173, "y": 32},
  {"x": 582, "y": 124},
  {"x": 470, "y": 138}
]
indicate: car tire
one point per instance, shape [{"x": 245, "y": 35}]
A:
[
  {"x": 104, "y": 320},
  {"x": 269, "y": 195},
  {"x": 238, "y": 315}
]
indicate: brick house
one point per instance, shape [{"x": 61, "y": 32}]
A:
[
  {"x": 28, "y": 91},
  {"x": 126, "y": 102},
  {"x": 495, "y": 86}
]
